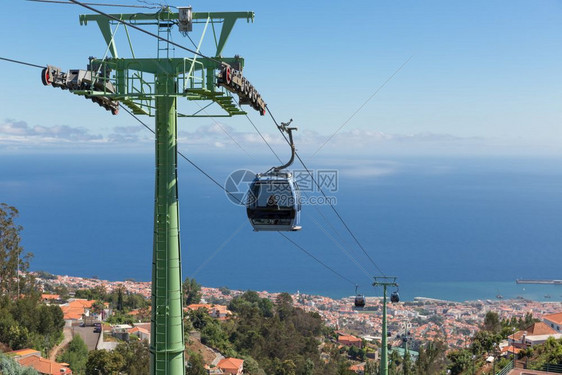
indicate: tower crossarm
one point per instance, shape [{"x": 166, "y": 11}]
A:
[
  {"x": 132, "y": 80},
  {"x": 227, "y": 21}
]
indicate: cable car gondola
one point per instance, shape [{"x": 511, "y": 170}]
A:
[
  {"x": 395, "y": 297},
  {"x": 273, "y": 202},
  {"x": 359, "y": 299}
]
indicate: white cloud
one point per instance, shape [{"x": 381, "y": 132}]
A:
[
  {"x": 19, "y": 131},
  {"x": 222, "y": 135},
  {"x": 127, "y": 129},
  {"x": 21, "y": 134},
  {"x": 218, "y": 136}
]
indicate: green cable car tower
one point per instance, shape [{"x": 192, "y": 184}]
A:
[
  {"x": 385, "y": 282},
  {"x": 153, "y": 86}
]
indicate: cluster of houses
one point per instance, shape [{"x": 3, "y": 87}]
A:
[
  {"x": 75, "y": 311},
  {"x": 82, "y": 312},
  {"x": 87, "y": 312},
  {"x": 535, "y": 334}
]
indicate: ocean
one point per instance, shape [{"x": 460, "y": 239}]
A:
[{"x": 448, "y": 228}]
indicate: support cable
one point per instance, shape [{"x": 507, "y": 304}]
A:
[
  {"x": 363, "y": 105},
  {"x": 182, "y": 155},
  {"x": 224, "y": 131},
  {"x": 258, "y": 131},
  {"x": 239, "y": 201},
  {"x": 324, "y": 194},
  {"x": 340, "y": 246},
  {"x": 268, "y": 110},
  {"x": 133, "y": 26},
  {"x": 217, "y": 250},
  {"x": 97, "y": 4},
  {"x": 210, "y": 177},
  {"x": 23, "y": 63},
  {"x": 316, "y": 259}
]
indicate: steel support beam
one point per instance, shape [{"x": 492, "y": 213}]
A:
[
  {"x": 167, "y": 336},
  {"x": 384, "y": 354},
  {"x": 384, "y": 281}
]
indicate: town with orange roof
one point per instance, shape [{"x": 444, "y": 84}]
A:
[{"x": 424, "y": 318}]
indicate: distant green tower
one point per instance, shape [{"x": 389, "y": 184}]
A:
[
  {"x": 385, "y": 282},
  {"x": 152, "y": 86}
]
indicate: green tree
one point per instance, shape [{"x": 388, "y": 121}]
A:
[
  {"x": 460, "y": 361},
  {"x": 284, "y": 305},
  {"x": 83, "y": 293},
  {"x": 102, "y": 362},
  {"x": 199, "y": 318},
  {"x": 120, "y": 298},
  {"x": 28, "y": 323},
  {"x": 195, "y": 365},
  {"x": 12, "y": 256},
  {"x": 492, "y": 322},
  {"x": 76, "y": 355},
  {"x": 407, "y": 364},
  {"x": 431, "y": 358},
  {"x": 120, "y": 318},
  {"x": 97, "y": 307},
  {"x": 45, "y": 275},
  {"x": 11, "y": 333},
  {"x": 136, "y": 357},
  {"x": 251, "y": 366},
  {"x": 371, "y": 368},
  {"x": 243, "y": 303},
  {"x": 97, "y": 293},
  {"x": 191, "y": 291},
  {"x": 484, "y": 341},
  {"x": 394, "y": 361},
  {"x": 309, "y": 367},
  {"x": 135, "y": 301},
  {"x": 62, "y": 291}
]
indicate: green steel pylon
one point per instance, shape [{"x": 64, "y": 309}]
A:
[
  {"x": 152, "y": 86},
  {"x": 384, "y": 281}
]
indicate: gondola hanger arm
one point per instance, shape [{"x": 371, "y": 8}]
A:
[{"x": 284, "y": 127}]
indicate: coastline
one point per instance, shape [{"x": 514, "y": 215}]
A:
[
  {"x": 452, "y": 292},
  {"x": 429, "y": 318}
]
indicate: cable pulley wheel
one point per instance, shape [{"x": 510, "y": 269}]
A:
[
  {"x": 228, "y": 75},
  {"x": 45, "y": 76}
]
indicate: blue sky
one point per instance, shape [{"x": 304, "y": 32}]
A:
[{"x": 483, "y": 78}]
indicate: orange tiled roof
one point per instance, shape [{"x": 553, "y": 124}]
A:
[
  {"x": 230, "y": 364},
  {"x": 359, "y": 367},
  {"x": 71, "y": 312},
  {"x": 349, "y": 338},
  {"x": 138, "y": 329},
  {"x": 76, "y": 308},
  {"x": 556, "y": 318},
  {"x": 44, "y": 366},
  {"x": 23, "y": 352},
  {"x": 196, "y": 306},
  {"x": 511, "y": 349},
  {"x": 538, "y": 328},
  {"x": 82, "y": 302}
]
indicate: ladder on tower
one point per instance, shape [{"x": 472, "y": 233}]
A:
[{"x": 165, "y": 33}]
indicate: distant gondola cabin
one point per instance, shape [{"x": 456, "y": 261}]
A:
[{"x": 359, "y": 301}]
